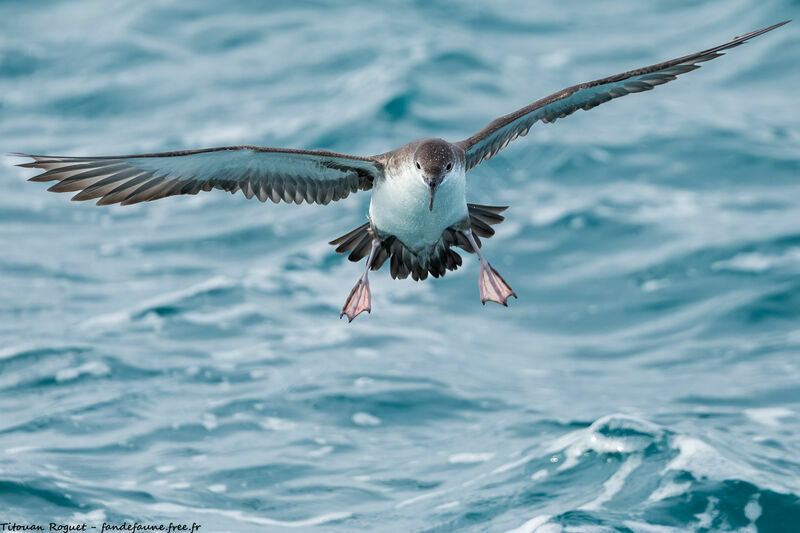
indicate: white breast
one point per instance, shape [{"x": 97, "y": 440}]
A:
[{"x": 400, "y": 207}]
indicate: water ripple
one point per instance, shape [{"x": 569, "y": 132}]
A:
[{"x": 183, "y": 360}]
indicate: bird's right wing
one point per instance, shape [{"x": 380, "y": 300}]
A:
[{"x": 314, "y": 176}]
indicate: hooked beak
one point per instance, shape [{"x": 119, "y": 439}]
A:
[{"x": 433, "y": 185}]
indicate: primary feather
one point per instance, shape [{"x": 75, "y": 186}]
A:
[
  {"x": 498, "y": 133},
  {"x": 313, "y": 176}
]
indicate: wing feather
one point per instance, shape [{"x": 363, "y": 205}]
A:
[
  {"x": 497, "y": 134},
  {"x": 277, "y": 174}
]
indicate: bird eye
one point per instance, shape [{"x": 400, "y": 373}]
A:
[
  {"x": 449, "y": 166},
  {"x": 419, "y": 166}
]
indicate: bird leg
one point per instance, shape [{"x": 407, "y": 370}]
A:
[
  {"x": 493, "y": 287},
  {"x": 360, "y": 298}
]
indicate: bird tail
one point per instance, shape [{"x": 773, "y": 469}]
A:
[
  {"x": 358, "y": 243},
  {"x": 483, "y": 217}
]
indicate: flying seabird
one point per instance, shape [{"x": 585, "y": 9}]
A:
[{"x": 418, "y": 211}]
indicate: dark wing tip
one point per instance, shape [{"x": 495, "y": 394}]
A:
[
  {"x": 739, "y": 39},
  {"x": 648, "y": 78},
  {"x": 21, "y": 154},
  {"x": 761, "y": 31}
]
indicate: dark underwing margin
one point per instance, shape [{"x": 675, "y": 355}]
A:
[
  {"x": 279, "y": 175},
  {"x": 496, "y": 135},
  {"x": 403, "y": 262}
]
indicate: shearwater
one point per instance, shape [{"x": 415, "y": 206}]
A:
[{"x": 418, "y": 210}]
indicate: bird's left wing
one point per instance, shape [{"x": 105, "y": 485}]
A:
[
  {"x": 314, "y": 176},
  {"x": 497, "y": 134}
]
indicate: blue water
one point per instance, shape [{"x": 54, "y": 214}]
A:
[{"x": 184, "y": 361}]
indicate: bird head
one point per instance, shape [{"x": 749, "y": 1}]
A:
[{"x": 434, "y": 160}]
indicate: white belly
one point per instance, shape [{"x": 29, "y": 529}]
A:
[{"x": 400, "y": 207}]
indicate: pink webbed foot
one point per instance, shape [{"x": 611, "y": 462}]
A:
[
  {"x": 493, "y": 287},
  {"x": 360, "y": 299}
]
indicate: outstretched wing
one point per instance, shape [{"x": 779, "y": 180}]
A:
[
  {"x": 267, "y": 173},
  {"x": 496, "y": 135}
]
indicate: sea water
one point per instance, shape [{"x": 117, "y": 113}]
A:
[{"x": 183, "y": 360}]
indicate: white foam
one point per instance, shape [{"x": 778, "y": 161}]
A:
[
  {"x": 421, "y": 497},
  {"x": 642, "y": 527},
  {"x": 174, "y": 508},
  {"x": 163, "y": 469},
  {"x": 276, "y": 424},
  {"x": 694, "y": 453},
  {"x": 752, "y": 511},
  {"x": 13, "y": 351},
  {"x": 210, "y": 421},
  {"x": 448, "y": 505},
  {"x": 94, "y": 368},
  {"x": 470, "y": 458},
  {"x": 98, "y": 515},
  {"x": 668, "y": 490},
  {"x": 170, "y": 298},
  {"x": 745, "y": 263},
  {"x": 756, "y": 262},
  {"x": 366, "y": 419},
  {"x": 325, "y": 450},
  {"x": 259, "y": 351},
  {"x": 366, "y": 353},
  {"x": 106, "y": 320},
  {"x": 653, "y": 285},
  {"x": 532, "y": 525},
  {"x": 704, "y": 461},
  {"x": 574, "y": 445},
  {"x": 768, "y": 416},
  {"x": 545, "y": 215},
  {"x": 614, "y": 484},
  {"x": 706, "y": 518},
  {"x": 20, "y": 449},
  {"x": 363, "y": 382},
  {"x": 539, "y": 474},
  {"x": 513, "y": 464},
  {"x": 218, "y": 488},
  {"x": 224, "y": 316}
]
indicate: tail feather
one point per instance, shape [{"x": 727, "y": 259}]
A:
[
  {"x": 403, "y": 262},
  {"x": 349, "y": 236}
]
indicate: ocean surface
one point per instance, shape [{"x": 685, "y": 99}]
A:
[{"x": 184, "y": 361}]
